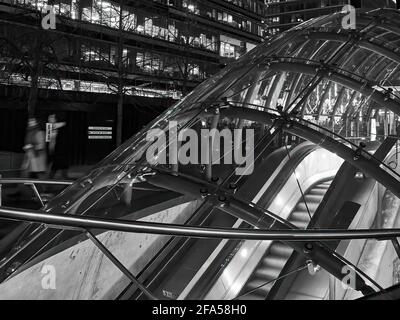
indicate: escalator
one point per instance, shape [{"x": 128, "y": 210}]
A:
[
  {"x": 277, "y": 255},
  {"x": 168, "y": 277},
  {"x": 182, "y": 258}
]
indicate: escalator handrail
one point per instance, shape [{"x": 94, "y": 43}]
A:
[{"x": 82, "y": 223}]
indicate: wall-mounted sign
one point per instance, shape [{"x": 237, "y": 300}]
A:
[
  {"x": 99, "y": 133},
  {"x": 49, "y": 129}
]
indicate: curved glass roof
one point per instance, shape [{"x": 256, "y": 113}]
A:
[{"x": 323, "y": 77}]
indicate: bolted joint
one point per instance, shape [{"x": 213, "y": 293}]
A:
[
  {"x": 204, "y": 193},
  {"x": 223, "y": 200},
  {"x": 214, "y": 179},
  {"x": 312, "y": 267},
  {"x": 308, "y": 248},
  {"x": 233, "y": 186},
  {"x": 286, "y": 117},
  {"x": 388, "y": 94},
  {"x": 359, "y": 151}
]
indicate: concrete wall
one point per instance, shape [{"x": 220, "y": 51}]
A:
[{"x": 83, "y": 272}]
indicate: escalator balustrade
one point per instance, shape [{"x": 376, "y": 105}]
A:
[{"x": 278, "y": 254}]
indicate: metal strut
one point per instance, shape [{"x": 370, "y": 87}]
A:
[{"x": 119, "y": 265}]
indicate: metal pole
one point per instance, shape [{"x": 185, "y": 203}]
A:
[
  {"x": 36, "y": 191},
  {"x": 37, "y": 181},
  {"x": 211, "y": 138},
  {"x": 119, "y": 265},
  {"x": 332, "y": 287},
  {"x": 83, "y": 223},
  {"x": 365, "y": 163},
  {"x": 396, "y": 246},
  {"x": 1, "y": 193}
]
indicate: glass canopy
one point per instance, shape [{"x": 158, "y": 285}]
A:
[{"x": 317, "y": 82}]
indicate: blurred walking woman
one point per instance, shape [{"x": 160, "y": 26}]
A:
[{"x": 35, "y": 150}]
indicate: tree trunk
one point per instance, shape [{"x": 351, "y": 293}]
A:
[
  {"x": 120, "y": 114},
  {"x": 120, "y": 105},
  {"x": 35, "y": 74},
  {"x": 33, "y": 93}
]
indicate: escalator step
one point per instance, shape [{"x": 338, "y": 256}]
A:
[
  {"x": 311, "y": 198},
  {"x": 263, "y": 288},
  {"x": 317, "y": 192},
  {"x": 267, "y": 272},
  {"x": 278, "y": 254},
  {"x": 253, "y": 296},
  {"x": 300, "y": 224},
  {"x": 299, "y": 216},
  {"x": 311, "y": 206},
  {"x": 278, "y": 248},
  {"x": 274, "y": 261}
]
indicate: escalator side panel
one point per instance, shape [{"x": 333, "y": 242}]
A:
[
  {"x": 278, "y": 254},
  {"x": 336, "y": 211}
]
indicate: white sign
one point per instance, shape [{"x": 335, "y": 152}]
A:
[
  {"x": 99, "y": 133},
  {"x": 100, "y": 137},
  {"x": 49, "y": 129},
  {"x": 101, "y": 128}
]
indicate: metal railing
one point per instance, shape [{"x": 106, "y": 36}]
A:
[
  {"x": 33, "y": 183},
  {"x": 87, "y": 223}
]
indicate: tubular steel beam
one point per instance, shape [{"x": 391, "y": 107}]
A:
[
  {"x": 396, "y": 246},
  {"x": 346, "y": 81},
  {"x": 34, "y": 181},
  {"x": 313, "y": 251},
  {"x": 82, "y": 223},
  {"x": 37, "y": 193},
  {"x": 338, "y": 101},
  {"x": 119, "y": 265},
  {"x": 362, "y": 43},
  {"x": 369, "y": 166},
  {"x": 260, "y": 219}
]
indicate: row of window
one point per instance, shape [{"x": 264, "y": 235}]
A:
[
  {"x": 287, "y": 17},
  {"x": 303, "y": 5},
  {"x": 91, "y": 86},
  {"x": 198, "y": 8},
  {"x": 256, "y": 6},
  {"x": 108, "y": 14},
  {"x": 145, "y": 62},
  {"x": 229, "y": 50},
  {"x": 216, "y": 14},
  {"x": 96, "y": 54}
]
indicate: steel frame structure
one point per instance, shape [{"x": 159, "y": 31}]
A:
[
  {"x": 269, "y": 67},
  {"x": 87, "y": 223}
]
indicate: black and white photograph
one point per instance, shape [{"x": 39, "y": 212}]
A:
[{"x": 199, "y": 158}]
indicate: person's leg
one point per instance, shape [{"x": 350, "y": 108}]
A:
[
  {"x": 33, "y": 175},
  {"x": 52, "y": 174},
  {"x": 64, "y": 174}
]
